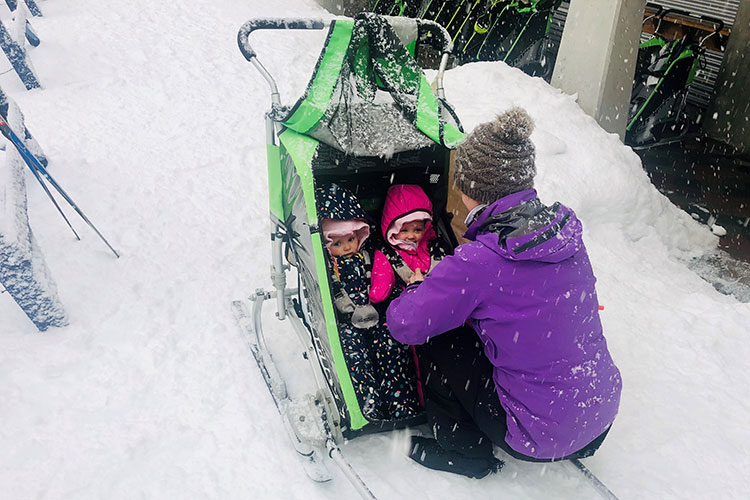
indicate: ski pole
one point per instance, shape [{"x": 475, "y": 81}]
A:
[
  {"x": 4, "y": 129},
  {"x": 30, "y": 159},
  {"x": 62, "y": 192}
]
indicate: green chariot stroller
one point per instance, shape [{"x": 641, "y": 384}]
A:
[{"x": 368, "y": 119}]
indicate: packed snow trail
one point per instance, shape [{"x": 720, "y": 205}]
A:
[
  {"x": 146, "y": 113},
  {"x": 153, "y": 122}
]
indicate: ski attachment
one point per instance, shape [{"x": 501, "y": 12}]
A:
[
  {"x": 306, "y": 420},
  {"x": 291, "y": 413},
  {"x": 600, "y": 487}
]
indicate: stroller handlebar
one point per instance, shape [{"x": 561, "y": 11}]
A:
[
  {"x": 440, "y": 39},
  {"x": 278, "y": 24}
]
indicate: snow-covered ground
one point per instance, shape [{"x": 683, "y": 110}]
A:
[{"x": 152, "y": 121}]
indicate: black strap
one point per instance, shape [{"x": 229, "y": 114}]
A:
[
  {"x": 400, "y": 268},
  {"x": 338, "y": 290}
]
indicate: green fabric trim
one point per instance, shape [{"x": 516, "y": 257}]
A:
[
  {"x": 301, "y": 149},
  {"x": 275, "y": 184},
  {"x": 427, "y": 117},
  {"x": 412, "y": 47},
  {"x": 313, "y": 106},
  {"x": 356, "y": 419}
]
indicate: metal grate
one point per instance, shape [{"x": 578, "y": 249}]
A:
[
  {"x": 726, "y": 10},
  {"x": 702, "y": 89},
  {"x": 556, "y": 28}
]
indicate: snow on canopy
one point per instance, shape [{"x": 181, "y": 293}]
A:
[{"x": 368, "y": 96}]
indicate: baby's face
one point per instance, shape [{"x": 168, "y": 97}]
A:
[
  {"x": 411, "y": 231},
  {"x": 344, "y": 246}
]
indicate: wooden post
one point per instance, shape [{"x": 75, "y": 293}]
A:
[
  {"x": 23, "y": 272},
  {"x": 16, "y": 54}
]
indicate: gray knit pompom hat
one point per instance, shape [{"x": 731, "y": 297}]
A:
[{"x": 497, "y": 158}]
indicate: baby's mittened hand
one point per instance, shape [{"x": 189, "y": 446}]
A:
[
  {"x": 365, "y": 316},
  {"x": 344, "y": 304}
]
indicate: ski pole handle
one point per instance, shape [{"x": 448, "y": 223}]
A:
[{"x": 273, "y": 24}]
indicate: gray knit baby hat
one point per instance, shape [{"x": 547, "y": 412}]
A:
[{"x": 497, "y": 158}]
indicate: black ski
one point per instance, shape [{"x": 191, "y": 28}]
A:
[
  {"x": 600, "y": 487},
  {"x": 309, "y": 458}
]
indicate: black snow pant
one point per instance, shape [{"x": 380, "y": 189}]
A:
[{"x": 461, "y": 401}]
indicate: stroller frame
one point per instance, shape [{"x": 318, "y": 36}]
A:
[{"x": 314, "y": 422}]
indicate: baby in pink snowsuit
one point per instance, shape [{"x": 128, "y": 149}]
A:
[{"x": 413, "y": 248}]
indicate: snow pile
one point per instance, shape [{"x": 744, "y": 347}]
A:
[
  {"x": 152, "y": 121},
  {"x": 578, "y": 162}
]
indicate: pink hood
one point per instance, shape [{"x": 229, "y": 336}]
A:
[
  {"x": 333, "y": 228},
  {"x": 404, "y": 203}
]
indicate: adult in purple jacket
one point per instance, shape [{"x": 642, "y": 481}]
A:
[{"x": 533, "y": 374}]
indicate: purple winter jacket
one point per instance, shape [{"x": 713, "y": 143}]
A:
[{"x": 527, "y": 288}]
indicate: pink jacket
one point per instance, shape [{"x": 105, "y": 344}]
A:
[{"x": 404, "y": 202}]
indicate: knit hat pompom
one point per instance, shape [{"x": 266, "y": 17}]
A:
[
  {"x": 497, "y": 158},
  {"x": 513, "y": 126}
]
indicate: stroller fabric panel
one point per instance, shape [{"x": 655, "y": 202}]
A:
[
  {"x": 368, "y": 96},
  {"x": 301, "y": 150}
]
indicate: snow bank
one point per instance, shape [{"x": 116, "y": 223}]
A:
[
  {"x": 152, "y": 121},
  {"x": 578, "y": 162}
]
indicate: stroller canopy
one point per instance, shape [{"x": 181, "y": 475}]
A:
[{"x": 368, "y": 96}]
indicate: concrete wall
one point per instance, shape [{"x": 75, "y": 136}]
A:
[
  {"x": 728, "y": 117},
  {"x": 597, "y": 58}
]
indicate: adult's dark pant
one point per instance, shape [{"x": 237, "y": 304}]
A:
[{"x": 461, "y": 401}]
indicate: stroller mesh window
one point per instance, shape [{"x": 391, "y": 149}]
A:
[{"x": 371, "y": 99}]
